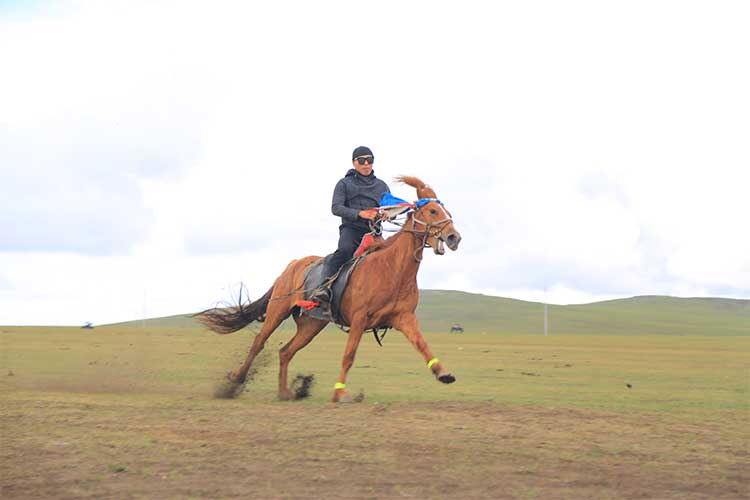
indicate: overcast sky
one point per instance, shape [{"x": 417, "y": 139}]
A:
[{"x": 154, "y": 155}]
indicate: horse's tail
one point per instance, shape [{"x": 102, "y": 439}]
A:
[{"x": 234, "y": 318}]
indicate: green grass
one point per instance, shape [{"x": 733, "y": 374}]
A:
[
  {"x": 666, "y": 373},
  {"x": 125, "y": 411},
  {"x": 648, "y": 315}
]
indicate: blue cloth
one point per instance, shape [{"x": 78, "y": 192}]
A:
[
  {"x": 388, "y": 200},
  {"x": 424, "y": 201}
]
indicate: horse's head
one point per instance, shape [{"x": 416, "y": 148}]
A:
[{"x": 431, "y": 218}]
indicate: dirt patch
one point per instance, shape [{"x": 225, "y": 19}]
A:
[
  {"x": 302, "y": 385},
  {"x": 226, "y": 389},
  {"x": 105, "y": 447}
]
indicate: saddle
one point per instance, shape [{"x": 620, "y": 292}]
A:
[{"x": 314, "y": 278}]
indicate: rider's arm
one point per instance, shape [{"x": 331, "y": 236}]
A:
[{"x": 338, "y": 206}]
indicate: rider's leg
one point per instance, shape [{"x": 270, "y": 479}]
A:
[{"x": 349, "y": 240}]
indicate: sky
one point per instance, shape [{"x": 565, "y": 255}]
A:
[{"x": 155, "y": 155}]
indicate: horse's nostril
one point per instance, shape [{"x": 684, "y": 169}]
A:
[{"x": 452, "y": 240}]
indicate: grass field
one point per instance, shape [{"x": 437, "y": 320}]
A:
[{"x": 128, "y": 412}]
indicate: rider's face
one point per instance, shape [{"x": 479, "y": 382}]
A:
[{"x": 365, "y": 169}]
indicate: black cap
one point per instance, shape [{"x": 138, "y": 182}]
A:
[{"x": 361, "y": 151}]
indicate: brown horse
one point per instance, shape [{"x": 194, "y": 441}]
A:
[{"x": 382, "y": 290}]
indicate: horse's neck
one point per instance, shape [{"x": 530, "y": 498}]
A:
[{"x": 406, "y": 254}]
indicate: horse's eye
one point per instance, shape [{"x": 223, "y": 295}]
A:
[{"x": 433, "y": 211}]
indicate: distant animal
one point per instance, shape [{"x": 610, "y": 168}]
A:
[
  {"x": 382, "y": 291},
  {"x": 88, "y": 325},
  {"x": 457, "y": 328}
]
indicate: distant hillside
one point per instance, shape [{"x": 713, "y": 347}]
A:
[
  {"x": 439, "y": 309},
  {"x": 638, "y": 315}
]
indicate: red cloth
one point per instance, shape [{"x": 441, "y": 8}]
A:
[
  {"x": 366, "y": 242},
  {"x": 308, "y": 304}
]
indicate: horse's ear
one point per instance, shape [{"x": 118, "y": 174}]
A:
[{"x": 423, "y": 190}]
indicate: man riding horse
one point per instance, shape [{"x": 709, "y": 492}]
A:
[
  {"x": 382, "y": 288},
  {"x": 355, "y": 200}
]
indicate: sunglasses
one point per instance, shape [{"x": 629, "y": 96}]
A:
[{"x": 365, "y": 159}]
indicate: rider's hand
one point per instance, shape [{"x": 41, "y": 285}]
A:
[{"x": 369, "y": 213}]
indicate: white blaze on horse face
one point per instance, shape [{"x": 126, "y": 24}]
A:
[
  {"x": 445, "y": 212},
  {"x": 437, "y": 241},
  {"x": 448, "y": 230}
]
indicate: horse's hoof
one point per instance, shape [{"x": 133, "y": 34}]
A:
[
  {"x": 343, "y": 398},
  {"x": 446, "y": 378},
  {"x": 232, "y": 377},
  {"x": 286, "y": 395}
]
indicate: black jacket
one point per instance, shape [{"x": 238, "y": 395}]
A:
[{"x": 354, "y": 193}]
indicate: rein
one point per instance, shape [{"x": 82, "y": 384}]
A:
[{"x": 428, "y": 226}]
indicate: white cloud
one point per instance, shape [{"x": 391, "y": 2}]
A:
[{"x": 591, "y": 149}]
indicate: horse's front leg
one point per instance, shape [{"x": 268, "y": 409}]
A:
[
  {"x": 409, "y": 326},
  {"x": 340, "y": 394}
]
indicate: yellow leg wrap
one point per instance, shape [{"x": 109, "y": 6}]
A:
[
  {"x": 432, "y": 362},
  {"x": 339, "y": 385}
]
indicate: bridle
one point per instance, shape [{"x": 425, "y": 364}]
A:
[{"x": 427, "y": 233}]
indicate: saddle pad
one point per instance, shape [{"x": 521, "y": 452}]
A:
[{"x": 314, "y": 278}]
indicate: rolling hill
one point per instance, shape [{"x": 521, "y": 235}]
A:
[{"x": 644, "y": 315}]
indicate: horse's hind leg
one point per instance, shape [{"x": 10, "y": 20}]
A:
[
  {"x": 276, "y": 313},
  {"x": 307, "y": 329}
]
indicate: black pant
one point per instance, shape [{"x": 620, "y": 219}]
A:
[{"x": 349, "y": 240}]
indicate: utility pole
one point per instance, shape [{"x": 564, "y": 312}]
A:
[{"x": 545, "y": 313}]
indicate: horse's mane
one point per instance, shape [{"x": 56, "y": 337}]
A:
[{"x": 423, "y": 190}]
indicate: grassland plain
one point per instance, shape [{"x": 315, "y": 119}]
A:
[{"x": 127, "y": 412}]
